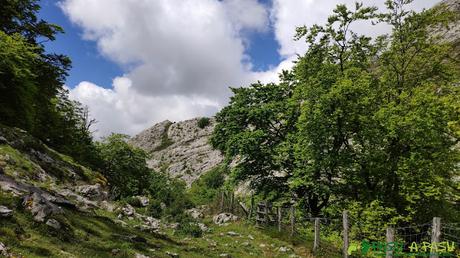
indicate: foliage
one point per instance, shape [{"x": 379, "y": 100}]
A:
[
  {"x": 169, "y": 192},
  {"x": 32, "y": 95},
  {"x": 205, "y": 189},
  {"x": 358, "y": 119},
  {"x": 188, "y": 226},
  {"x": 203, "y": 122},
  {"x": 125, "y": 166}
]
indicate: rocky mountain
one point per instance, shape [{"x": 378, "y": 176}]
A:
[{"x": 180, "y": 149}]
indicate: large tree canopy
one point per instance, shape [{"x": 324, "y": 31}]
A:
[{"x": 359, "y": 119}]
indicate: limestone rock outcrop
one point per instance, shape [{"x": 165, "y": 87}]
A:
[{"x": 180, "y": 149}]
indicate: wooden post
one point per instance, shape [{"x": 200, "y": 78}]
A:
[
  {"x": 252, "y": 207},
  {"x": 222, "y": 202},
  {"x": 390, "y": 242},
  {"x": 279, "y": 209},
  {"x": 316, "y": 243},
  {"x": 346, "y": 242},
  {"x": 292, "y": 220},
  {"x": 232, "y": 197},
  {"x": 435, "y": 235}
]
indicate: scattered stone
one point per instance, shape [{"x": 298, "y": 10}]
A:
[
  {"x": 115, "y": 252},
  {"x": 232, "y": 233},
  {"x": 110, "y": 207},
  {"x": 175, "y": 255},
  {"x": 92, "y": 192},
  {"x": 121, "y": 223},
  {"x": 5, "y": 212},
  {"x": 3, "y": 140},
  {"x": 141, "y": 256},
  {"x": 203, "y": 227},
  {"x": 143, "y": 201},
  {"x": 246, "y": 243},
  {"x": 225, "y": 255},
  {"x": 262, "y": 245},
  {"x": 224, "y": 218},
  {"x": 173, "y": 225},
  {"x": 195, "y": 213},
  {"x": 284, "y": 249},
  {"x": 251, "y": 237},
  {"x": 53, "y": 223},
  {"x": 128, "y": 210},
  {"x": 3, "y": 250}
]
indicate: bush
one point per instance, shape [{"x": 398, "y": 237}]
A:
[
  {"x": 188, "y": 226},
  {"x": 204, "y": 189},
  {"x": 203, "y": 122}
]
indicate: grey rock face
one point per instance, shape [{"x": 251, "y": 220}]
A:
[
  {"x": 181, "y": 149},
  {"x": 40, "y": 207}
]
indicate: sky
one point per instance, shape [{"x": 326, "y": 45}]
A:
[{"x": 139, "y": 62}]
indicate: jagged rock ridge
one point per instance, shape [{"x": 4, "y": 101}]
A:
[{"x": 180, "y": 149}]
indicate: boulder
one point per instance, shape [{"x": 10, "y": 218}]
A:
[
  {"x": 195, "y": 213},
  {"x": 141, "y": 256},
  {"x": 223, "y": 218},
  {"x": 92, "y": 192},
  {"x": 5, "y": 212},
  {"x": 53, "y": 223},
  {"x": 4, "y": 250},
  {"x": 203, "y": 227},
  {"x": 128, "y": 210},
  {"x": 40, "y": 207},
  {"x": 143, "y": 201}
]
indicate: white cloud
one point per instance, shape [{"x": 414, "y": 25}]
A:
[
  {"x": 289, "y": 14},
  {"x": 173, "y": 51},
  {"x": 123, "y": 109}
]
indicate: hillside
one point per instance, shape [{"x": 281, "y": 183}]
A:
[
  {"x": 181, "y": 149},
  {"x": 50, "y": 206}
]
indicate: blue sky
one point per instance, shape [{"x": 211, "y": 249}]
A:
[{"x": 88, "y": 64}]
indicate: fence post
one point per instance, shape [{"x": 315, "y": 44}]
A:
[
  {"x": 279, "y": 218},
  {"x": 252, "y": 206},
  {"x": 292, "y": 220},
  {"x": 232, "y": 199},
  {"x": 390, "y": 242},
  {"x": 316, "y": 243},
  {"x": 435, "y": 235},
  {"x": 346, "y": 242},
  {"x": 222, "y": 202}
]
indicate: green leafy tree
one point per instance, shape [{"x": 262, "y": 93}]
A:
[
  {"x": 365, "y": 120},
  {"x": 125, "y": 166}
]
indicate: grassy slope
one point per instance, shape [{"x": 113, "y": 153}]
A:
[{"x": 91, "y": 235}]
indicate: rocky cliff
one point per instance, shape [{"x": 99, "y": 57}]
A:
[{"x": 180, "y": 149}]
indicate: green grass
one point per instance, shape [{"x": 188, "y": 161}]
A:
[{"x": 96, "y": 235}]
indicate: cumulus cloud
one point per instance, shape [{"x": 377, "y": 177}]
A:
[
  {"x": 183, "y": 54},
  {"x": 123, "y": 109}
]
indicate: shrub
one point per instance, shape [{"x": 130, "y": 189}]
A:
[
  {"x": 203, "y": 122},
  {"x": 188, "y": 226},
  {"x": 204, "y": 189}
]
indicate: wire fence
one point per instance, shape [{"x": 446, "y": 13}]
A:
[{"x": 352, "y": 235}]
